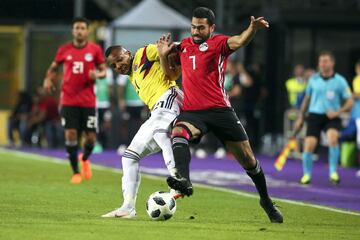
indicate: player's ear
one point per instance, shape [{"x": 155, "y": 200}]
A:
[{"x": 212, "y": 28}]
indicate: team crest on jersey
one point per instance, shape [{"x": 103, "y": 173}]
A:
[
  {"x": 184, "y": 51},
  {"x": 89, "y": 57},
  {"x": 68, "y": 58},
  {"x": 135, "y": 67},
  {"x": 330, "y": 95},
  {"x": 203, "y": 47}
]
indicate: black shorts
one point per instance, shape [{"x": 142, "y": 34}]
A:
[
  {"x": 79, "y": 118},
  {"x": 318, "y": 122},
  {"x": 223, "y": 122}
]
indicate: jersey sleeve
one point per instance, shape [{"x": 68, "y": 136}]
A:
[
  {"x": 99, "y": 57},
  {"x": 223, "y": 45},
  {"x": 152, "y": 53},
  {"x": 308, "y": 90},
  {"x": 345, "y": 89},
  {"x": 59, "y": 56}
]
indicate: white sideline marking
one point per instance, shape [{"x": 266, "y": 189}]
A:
[{"x": 42, "y": 158}]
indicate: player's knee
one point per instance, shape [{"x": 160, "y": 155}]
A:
[
  {"x": 130, "y": 157},
  {"x": 181, "y": 130},
  {"x": 91, "y": 137},
  {"x": 71, "y": 135}
]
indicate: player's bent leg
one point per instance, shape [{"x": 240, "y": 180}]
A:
[
  {"x": 180, "y": 136},
  {"x": 130, "y": 186},
  {"x": 139, "y": 148},
  {"x": 332, "y": 135},
  {"x": 90, "y": 140},
  {"x": 162, "y": 139},
  {"x": 71, "y": 146},
  {"x": 84, "y": 158},
  {"x": 310, "y": 143},
  {"x": 244, "y": 154}
]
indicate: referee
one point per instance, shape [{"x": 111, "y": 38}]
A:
[{"x": 327, "y": 96}]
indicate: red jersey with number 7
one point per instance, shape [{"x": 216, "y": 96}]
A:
[
  {"x": 77, "y": 88},
  {"x": 203, "y": 73}
]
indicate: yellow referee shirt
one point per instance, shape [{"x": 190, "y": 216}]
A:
[{"x": 147, "y": 77}]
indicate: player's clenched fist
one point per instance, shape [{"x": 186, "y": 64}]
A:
[{"x": 92, "y": 75}]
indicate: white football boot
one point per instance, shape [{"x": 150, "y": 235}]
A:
[{"x": 122, "y": 212}]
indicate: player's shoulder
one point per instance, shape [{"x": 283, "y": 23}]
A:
[
  {"x": 186, "y": 42},
  {"x": 356, "y": 79},
  {"x": 151, "y": 47},
  {"x": 140, "y": 50},
  {"x": 218, "y": 38},
  {"x": 315, "y": 77},
  {"x": 66, "y": 46},
  {"x": 93, "y": 46},
  {"x": 340, "y": 77}
]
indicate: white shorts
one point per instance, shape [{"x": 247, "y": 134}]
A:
[{"x": 166, "y": 109}]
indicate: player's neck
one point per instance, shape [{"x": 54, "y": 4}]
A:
[
  {"x": 79, "y": 44},
  {"x": 328, "y": 74}
]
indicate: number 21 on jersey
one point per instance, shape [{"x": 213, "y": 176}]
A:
[
  {"x": 193, "y": 61},
  {"x": 78, "y": 67}
]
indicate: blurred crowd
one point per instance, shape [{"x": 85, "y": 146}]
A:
[{"x": 35, "y": 119}]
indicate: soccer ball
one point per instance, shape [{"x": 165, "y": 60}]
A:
[{"x": 161, "y": 206}]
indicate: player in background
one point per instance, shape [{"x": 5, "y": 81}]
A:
[
  {"x": 83, "y": 63},
  {"x": 206, "y": 104},
  {"x": 322, "y": 103},
  {"x": 155, "y": 84}
]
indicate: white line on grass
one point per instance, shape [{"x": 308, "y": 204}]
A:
[{"x": 42, "y": 158}]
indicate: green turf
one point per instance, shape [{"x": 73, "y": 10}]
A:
[{"x": 37, "y": 202}]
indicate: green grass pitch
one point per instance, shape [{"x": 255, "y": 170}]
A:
[{"x": 37, "y": 202}]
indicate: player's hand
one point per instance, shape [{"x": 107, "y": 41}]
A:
[
  {"x": 298, "y": 125},
  {"x": 332, "y": 114},
  {"x": 48, "y": 86},
  {"x": 92, "y": 75},
  {"x": 258, "y": 23},
  {"x": 164, "y": 45}
]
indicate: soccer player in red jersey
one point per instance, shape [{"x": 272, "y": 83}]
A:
[
  {"x": 83, "y": 63},
  {"x": 206, "y": 107}
]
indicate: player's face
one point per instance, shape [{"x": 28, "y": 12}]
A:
[
  {"x": 120, "y": 61},
  {"x": 326, "y": 64},
  {"x": 80, "y": 31},
  {"x": 299, "y": 70},
  {"x": 201, "y": 30},
  {"x": 357, "y": 69}
]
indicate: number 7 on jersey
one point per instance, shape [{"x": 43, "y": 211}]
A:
[{"x": 193, "y": 61}]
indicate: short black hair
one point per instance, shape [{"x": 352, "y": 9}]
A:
[
  {"x": 80, "y": 19},
  {"x": 111, "y": 48},
  {"x": 327, "y": 53},
  {"x": 203, "y": 12}
]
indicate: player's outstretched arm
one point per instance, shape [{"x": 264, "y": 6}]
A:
[
  {"x": 50, "y": 77},
  {"x": 245, "y": 37},
  {"x": 164, "y": 48}
]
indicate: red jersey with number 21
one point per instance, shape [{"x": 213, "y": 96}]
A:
[
  {"x": 203, "y": 73},
  {"x": 77, "y": 89}
]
